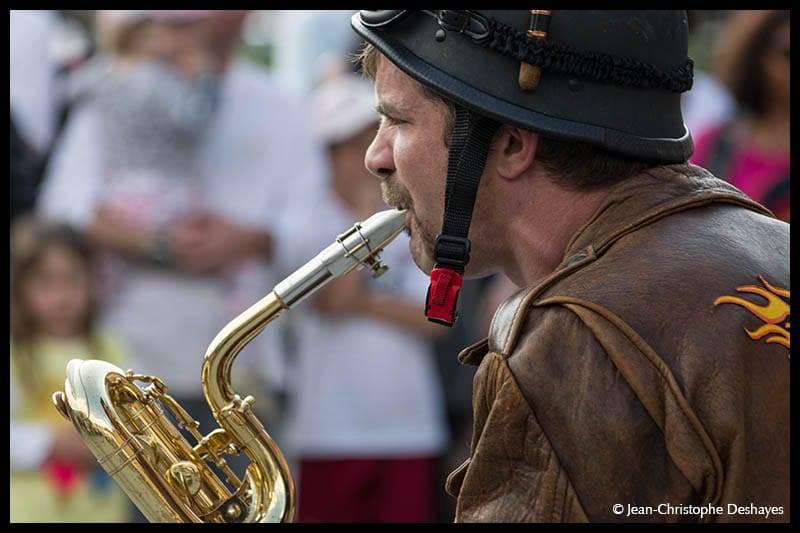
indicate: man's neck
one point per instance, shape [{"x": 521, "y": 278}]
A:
[{"x": 539, "y": 233}]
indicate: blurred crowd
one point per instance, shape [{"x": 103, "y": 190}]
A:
[{"x": 166, "y": 173}]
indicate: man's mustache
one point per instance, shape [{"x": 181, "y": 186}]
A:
[{"x": 395, "y": 196}]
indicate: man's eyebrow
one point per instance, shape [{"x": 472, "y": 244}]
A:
[{"x": 386, "y": 109}]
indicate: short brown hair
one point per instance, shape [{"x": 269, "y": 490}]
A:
[{"x": 572, "y": 164}]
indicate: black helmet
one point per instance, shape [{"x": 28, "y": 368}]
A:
[{"x": 609, "y": 78}]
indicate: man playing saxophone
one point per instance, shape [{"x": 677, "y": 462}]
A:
[{"x": 641, "y": 372}]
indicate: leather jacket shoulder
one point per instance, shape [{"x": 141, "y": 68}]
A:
[{"x": 651, "y": 368}]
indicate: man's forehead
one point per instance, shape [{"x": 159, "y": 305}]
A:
[{"x": 393, "y": 87}]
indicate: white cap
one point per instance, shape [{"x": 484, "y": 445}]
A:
[{"x": 342, "y": 107}]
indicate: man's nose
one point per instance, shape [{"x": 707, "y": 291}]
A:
[{"x": 379, "y": 158}]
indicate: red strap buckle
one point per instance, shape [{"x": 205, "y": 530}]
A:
[{"x": 442, "y": 298}]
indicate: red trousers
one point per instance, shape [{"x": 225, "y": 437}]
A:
[{"x": 367, "y": 490}]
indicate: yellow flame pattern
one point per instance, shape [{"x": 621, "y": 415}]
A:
[{"x": 773, "y": 314}]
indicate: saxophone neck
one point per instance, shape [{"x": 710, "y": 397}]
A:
[
  {"x": 358, "y": 246},
  {"x": 223, "y": 350}
]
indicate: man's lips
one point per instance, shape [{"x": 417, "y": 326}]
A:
[
  {"x": 400, "y": 208},
  {"x": 408, "y": 217}
]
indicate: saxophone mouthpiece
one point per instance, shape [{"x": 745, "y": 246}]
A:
[
  {"x": 382, "y": 227},
  {"x": 358, "y": 246},
  {"x": 379, "y": 230}
]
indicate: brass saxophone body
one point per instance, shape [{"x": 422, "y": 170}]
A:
[{"x": 167, "y": 478}]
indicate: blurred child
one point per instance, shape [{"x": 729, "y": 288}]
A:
[
  {"x": 155, "y": 104},
  {"x": 54, "y": 477}
]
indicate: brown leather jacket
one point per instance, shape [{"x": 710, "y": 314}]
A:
[{"x": 652, "y": 367}]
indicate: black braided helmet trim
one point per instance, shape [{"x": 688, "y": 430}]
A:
[{"x": 552, "y": 57}]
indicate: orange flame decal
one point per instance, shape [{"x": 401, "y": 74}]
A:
[{"x": 772, "y": 314}]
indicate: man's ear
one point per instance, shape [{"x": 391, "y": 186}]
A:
[{"x": 514, "y": 150}]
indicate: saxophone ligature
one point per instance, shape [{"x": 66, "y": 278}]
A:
[{"x": 124, "y": 425}]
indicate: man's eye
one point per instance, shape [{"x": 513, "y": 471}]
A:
[{"x": 393, "y": 121}]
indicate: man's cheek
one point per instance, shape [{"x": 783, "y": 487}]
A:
[
  {"x": 425, "y": 234},
  {"x": 431, "y": 216}
]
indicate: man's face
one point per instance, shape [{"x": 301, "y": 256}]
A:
[{"x": 409, "y": 155}]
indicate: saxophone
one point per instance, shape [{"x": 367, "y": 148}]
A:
[{"x": 169, "y": 480}]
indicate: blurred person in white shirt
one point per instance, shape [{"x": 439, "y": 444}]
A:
[
  {"x": 255, "y": 157},
  {"x": 366, "y": 419}
]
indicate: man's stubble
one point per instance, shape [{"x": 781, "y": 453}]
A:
[{"x": 422, "y": 240}]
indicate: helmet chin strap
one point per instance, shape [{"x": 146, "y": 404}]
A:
[{"x": 469, "y": 146}]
